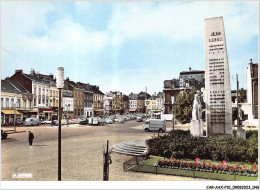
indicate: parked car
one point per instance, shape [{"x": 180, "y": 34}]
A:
[
  {"x": 139, "y": 119},
  {"x": 101, "y": 121},
  {"x": 250, "y": 127},
  {"x": 83, "y": 122},
  {"x": 154, "y": 125},
  {"x": 31, "y": 121},
  {"x": 63, "y": 122},
  {"x": 93, "y": 121},
  {"x": 116, "y": 120},
  {"x": 79, "y": 120},
  {"x": 108, "y": 121},
  {"x": 46, "y": 122},
  {"x": 73, "y": 121},
  {"x": 121, "y": 120}
]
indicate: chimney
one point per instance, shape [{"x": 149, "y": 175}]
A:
[
  {"x": 251, "y": 62},
  {"x": 32, "y": 72},
  {"x": 189, "y": 68},
  {"x": 51, "y": 76},
  {"x": 19, "y": 71}
]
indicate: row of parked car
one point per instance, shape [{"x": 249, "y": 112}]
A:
[{"x": 116, "y": 118}]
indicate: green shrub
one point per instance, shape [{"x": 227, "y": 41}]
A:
[{"x": 181, "y": 144}]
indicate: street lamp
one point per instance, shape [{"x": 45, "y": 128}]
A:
[
  {"x": 60, "y": 85},
  {"x": 14, "y": 117}
]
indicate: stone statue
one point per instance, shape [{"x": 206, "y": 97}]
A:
[
  {"x": 196, "y": 125},
  {"x": 197, "y": 109}
]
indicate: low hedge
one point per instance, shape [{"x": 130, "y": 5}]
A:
[{"x": 181, "y": 144}]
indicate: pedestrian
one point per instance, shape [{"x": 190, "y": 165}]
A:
[{"x": 31, "y": 137}]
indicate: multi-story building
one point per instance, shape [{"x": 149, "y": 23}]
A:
[
  {"x": 187, "y": 80},
  {"x": 53, "y": 95},
  {"x": 252, "y": 89},
  {"x": 40, "y": 90},
  {"x": 16, "y": 102},
  {"x": 155, "y": 103},
  {"x": 108, "y": 104},
  {"x": 151, "y": 104},
  {"x": 133, "y": 102},
  {"x": 125, "y": 104},
  {"x": 78, "y": 99},
  {"x": 68, "y": 100},
  {"x": 193, "y": 78},
  {"x": 98, "y": 99},
  {"x": 88, "y": 99},
  {"x": 160, "y": 101},
  {"x": 117, "y": 101}
]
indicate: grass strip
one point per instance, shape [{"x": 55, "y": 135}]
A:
[{"x": 188, "y": 173}]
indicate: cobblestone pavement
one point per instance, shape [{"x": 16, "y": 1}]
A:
[{"x": 82, "y": 158}]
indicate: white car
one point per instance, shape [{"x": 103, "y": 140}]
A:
[{"x": 46, "y": 122}]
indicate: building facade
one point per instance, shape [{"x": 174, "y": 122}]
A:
[
  {"x": 16, "y": 102},
  {"x": 133, "y": 102},
  {"x": 40, "y": 91},
  {"x": 187, "y": 80},
  {"x": 252, "y": 90}
]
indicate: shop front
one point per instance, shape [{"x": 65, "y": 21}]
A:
[
  {"x": 132, "y": 110},
  {"x": 8, "y": 116},
  {"x": 45, "y": 113}
]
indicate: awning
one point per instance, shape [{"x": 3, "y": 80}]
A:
[
  {"x": 132, "y": 109},
  {"x": 156, "y": 110},
  {"x": 97, "y": 110},
  {"x": 10, "y": 112},
  {"x": 45, "y": 110}
]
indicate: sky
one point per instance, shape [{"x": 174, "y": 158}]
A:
[{"x": 123, "y": 46}]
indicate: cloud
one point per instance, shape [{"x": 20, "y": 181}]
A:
[
  {"x": 181, "y": 21},
  {"x": 43, "y": 35}
]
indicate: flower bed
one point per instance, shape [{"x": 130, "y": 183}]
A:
[{"x": 204, "y": 167}]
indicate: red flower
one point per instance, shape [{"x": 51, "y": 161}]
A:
[
  {"x": 254, "y": 166},
  {"x": 172, "y": 158},
  {"x": 197, "y": 159}
]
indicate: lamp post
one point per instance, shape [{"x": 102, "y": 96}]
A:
[
  {"x": 14, "y": 117},
  {"x": 60, "y": 85}
]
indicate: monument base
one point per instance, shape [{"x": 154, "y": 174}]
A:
[
  {"x": 241, "y": 133},
  {"x": 196, "y": 127}
]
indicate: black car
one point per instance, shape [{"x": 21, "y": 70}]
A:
[{"x": 84, "y": 122}]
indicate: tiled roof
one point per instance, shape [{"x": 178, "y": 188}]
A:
[
  {"x": 18, "y": 86},
  {"x": 8, "y": 87},
  {"x": 35, "y": 78}
]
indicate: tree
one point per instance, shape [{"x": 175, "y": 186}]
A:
[
  {"x": 242, "y": 97},
  {"x": 234, "y": 114},
  {"x": 182, "y": 108}
]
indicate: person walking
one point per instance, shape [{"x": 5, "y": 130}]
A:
[{"x": 31, "y": 137}]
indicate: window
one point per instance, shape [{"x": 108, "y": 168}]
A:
[
  {"x": 18, "y": 104},
  {"x": 34, "y": 90},
  {"x": 12, "y": 102},
  {"x": 43, "y": 101},
  {"x": 34, "y": 102},
  {"x": 47, "y": 92},
  {"x": 2, "y": 102},
  {"x": 40, "y": 91},
  {"x": 39, "y": 101},
  {"x": 57, "y": 103},
  {"x": 47, "y": 102},
  {"x": 50, "y": 93},
  {"x": 43, "y": 90},
  {"x": 24, "y": 104}
]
